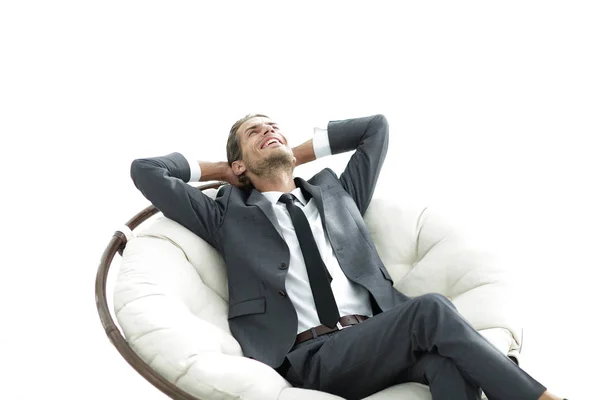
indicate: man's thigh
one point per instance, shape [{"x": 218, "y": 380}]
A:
[{"x": 367, "y": 357}]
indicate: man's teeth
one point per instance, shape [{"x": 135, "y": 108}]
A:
[{"x": 270, "y": 142}]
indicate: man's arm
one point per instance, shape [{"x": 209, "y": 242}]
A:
[
  {"x": 369, "y": 137},
  {"x": 212, "y": 171},
  {"x": 163, "y": 181},
  {"x": 304, "y": 153},
  {"x": 218, "y": 171}
]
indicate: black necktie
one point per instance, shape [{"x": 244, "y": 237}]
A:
[{"x": 315, "y": 267}]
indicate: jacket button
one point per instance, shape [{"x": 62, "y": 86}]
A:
[
  {"x": 282, "y": 293},
  {"x": 282, "y": 266}
]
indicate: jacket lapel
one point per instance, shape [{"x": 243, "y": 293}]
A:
[{"x": 257, "y": 199}]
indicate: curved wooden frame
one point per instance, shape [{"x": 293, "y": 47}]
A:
[{"x": 117, "y": 244}]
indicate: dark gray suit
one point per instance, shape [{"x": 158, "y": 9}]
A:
[{"x": 243, "y": 228}]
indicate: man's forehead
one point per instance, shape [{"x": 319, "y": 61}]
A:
[{"x": 254, "y": 121}]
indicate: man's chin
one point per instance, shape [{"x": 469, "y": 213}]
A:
[
  {"x": 280, "y": 157},
  {"x": 274, "y": 163}
]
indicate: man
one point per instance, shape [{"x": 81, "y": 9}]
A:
[{"x": 308, "y": 293}]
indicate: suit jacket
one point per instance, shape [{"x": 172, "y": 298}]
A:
[{"x": 242, "y": 226}]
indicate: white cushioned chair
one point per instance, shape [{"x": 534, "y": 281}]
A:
[{"x": 170, "y": 300}]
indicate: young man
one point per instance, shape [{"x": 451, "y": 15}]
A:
[{"x": 308, "y": 293}]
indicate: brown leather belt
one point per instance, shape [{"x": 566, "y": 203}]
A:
[{"x": 344, "y": 322}]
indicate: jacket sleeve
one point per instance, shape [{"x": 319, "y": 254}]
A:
[
  {"x": 369, "y": 136},
  {"x": 163, "y": 181}
]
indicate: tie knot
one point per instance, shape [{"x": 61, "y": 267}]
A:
[{"x": 287, "y": 198}]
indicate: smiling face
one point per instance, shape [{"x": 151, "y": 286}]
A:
[{"x": 265, "y": 149}]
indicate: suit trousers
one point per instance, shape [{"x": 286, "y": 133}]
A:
[{"x": 422, "y": 340}]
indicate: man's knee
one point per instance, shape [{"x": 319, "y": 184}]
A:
[{"x": 430, "y": 300}]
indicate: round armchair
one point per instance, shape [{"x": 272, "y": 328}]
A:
[{"x": 171, "y": 302}]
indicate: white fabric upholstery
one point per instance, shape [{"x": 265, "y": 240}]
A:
[{"x": 170, "y": 300}]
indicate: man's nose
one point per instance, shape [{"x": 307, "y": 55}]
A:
[{"x": 267, "y": 129}]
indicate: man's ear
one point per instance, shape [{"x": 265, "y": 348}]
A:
[{"x": 238, "y": 167}]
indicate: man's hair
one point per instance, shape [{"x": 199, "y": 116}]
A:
[{"x": 234, "y": 147}]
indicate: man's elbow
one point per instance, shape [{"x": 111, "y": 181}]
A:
[
  {"x": 133, "y": 170},
  {"x": 381, "y": 122},
  {"x": 136, "y": 169},
  {"x": 382, "y": 130}
]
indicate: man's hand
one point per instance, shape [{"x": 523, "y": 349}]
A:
[{"x": 218, "y": 171}]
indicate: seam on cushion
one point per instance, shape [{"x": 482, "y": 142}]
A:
[
  {"x": 148, "y": 332},
  {"x": 151, "y": 360},
  {"x": 213, "y": 388},
  {"x": 133, "y": 338},
  {"x": 283, "y": 388},
  {"x": 164, "y": 237},
  {"x": 187, "y": 368},
  {"x": 137, "y": 298},
  {"x": 417, "y": 260},
  {"x": 457, "y": 281},
  {"x": 420, "y": 226},
  {"x": 520, "y": 342}
]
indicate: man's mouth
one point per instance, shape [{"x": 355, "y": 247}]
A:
[{"x": 273, "y": 142}]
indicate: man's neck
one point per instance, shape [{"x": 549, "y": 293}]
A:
[{"x": 281, "y": 182}]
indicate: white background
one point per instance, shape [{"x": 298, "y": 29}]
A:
[{"x": 493, "y": 112}]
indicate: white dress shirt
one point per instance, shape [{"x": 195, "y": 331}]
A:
[{"x": 350, "y": 297}]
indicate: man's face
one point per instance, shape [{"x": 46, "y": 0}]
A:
[{"x": 264, "y": 147}]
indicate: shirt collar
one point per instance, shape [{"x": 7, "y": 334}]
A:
[{"x": 273, "y": 197}]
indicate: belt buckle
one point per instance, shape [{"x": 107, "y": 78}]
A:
[{"x": 340, "y": 327}]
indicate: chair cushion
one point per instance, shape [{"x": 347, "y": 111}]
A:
[
  {"x": 170, "y": 300},
  {"x": 425, "y": 254}
]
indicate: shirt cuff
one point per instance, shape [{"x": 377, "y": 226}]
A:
[
  {"x": 195, "y": 172},
  {"x": 321, "y": 145}
]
